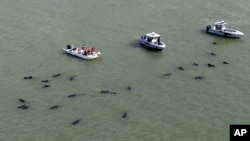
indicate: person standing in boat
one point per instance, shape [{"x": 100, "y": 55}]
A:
[
  {"x": 158, "y": 40},
  {"x": 85, "y": 51},
  {"x": 88, "y": 51},
  {"x": 92, "y": 50},
  {"x": 216, "y": 27},
  {"x": 79, "y": 50}
]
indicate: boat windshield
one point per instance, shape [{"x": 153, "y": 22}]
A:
[{"x": 220, "y": 27}]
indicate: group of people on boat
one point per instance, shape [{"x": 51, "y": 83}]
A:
[
  {"x": 155, "y": 40},
  {"x": 86, "y": 51},
  {"x": 219, "y": 27}
]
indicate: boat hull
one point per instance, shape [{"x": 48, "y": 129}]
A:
[
  {"x": 225, "y": 32},
  {"x": 152, "y": 45},
  {"x": 79, "y": 54}
]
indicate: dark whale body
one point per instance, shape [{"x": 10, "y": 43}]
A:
[
  {"x": 21, "y": 100},
  {"x": 27, "y": 77},
  {"x": 210, "y": 65},
  {"x": 181, "y": 68},
  {"x": 46, "y": 86},
  {"x": 56, "y": 75},
  {"x": 167, "y": 74},
  {"x": 76, "y": 122},
  {"x": 107, "y": 92},
  {"x": 54, "y": 107},
  {"x": 72, "y": 95},
  {"x": 199, "y": 77},
  {"x": 195, "y": 64},
  {"x": 71, "y": 78},
  {"x": 45, "y": 81},
  {"x": 225, "y": 62},
  {"x": 24, "y": 107},
  {"x": 124, "y": 115}
]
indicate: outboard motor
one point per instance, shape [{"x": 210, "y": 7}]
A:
[
  {"x": 68, "y": 46},
  {"x": 208, "y": 27},
  {"x": 99, "y": 53}
]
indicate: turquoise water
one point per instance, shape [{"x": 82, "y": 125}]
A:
[{"x": 158, "y": 107}]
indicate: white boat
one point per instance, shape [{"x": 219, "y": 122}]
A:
[
  {"x": 152, "y": 40},
  {"x": 85, "y": 53},
  {"x": 219, "y": 28}
]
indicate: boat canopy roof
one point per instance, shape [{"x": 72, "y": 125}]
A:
[
  {"x": 220, "y": 23},
  {"x": 152, "y": 34}
]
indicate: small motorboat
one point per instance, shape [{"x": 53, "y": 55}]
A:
[
  {"x": 152, "y": 40},
  {"x": 83, "y": 52},
  {"x": 219, "y": 28}
]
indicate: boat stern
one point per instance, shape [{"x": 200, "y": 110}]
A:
[
  {"x": 98, "y": 54},
  {"x": 208, "y": 27}
]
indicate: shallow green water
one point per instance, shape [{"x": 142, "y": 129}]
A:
[{"x": 175, "y": 107}]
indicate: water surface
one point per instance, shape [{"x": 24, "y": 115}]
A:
[{"x": 158, "y": 107}]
